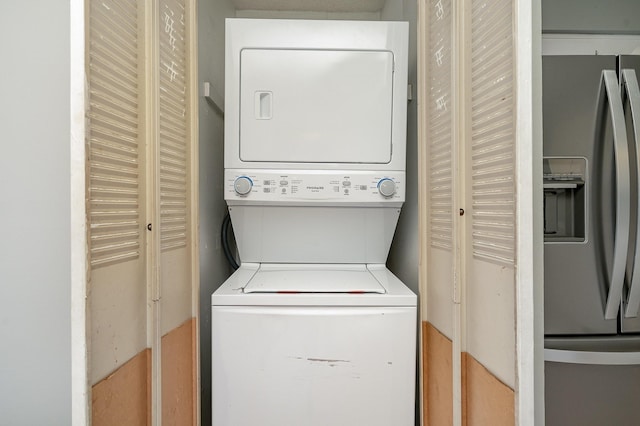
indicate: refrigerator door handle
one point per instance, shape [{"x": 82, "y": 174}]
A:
[
  {"x": 609, "y": 85},
  {"x": 629, "y": 83},
  {"x": 592, "y": 358}
]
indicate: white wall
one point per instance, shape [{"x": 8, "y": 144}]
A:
[
  {"x": 35, "y": 327},
  {"x": 213, "y": 266}
]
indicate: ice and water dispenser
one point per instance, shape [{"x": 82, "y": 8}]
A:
[{"x": 565, "y": 198}]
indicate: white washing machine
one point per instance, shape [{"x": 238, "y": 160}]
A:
[
  {"x": 313, "y": 345},
  {"x": 312, "y": 329}
]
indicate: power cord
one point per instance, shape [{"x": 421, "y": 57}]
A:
[{"x": 224, "y": 236}]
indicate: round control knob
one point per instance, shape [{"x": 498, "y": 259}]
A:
[
  {"x": 386, "y": 187},
  {"x": 243, "y": 185}
]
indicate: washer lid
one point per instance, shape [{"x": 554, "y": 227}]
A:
[{"x": 313, "y": 279}]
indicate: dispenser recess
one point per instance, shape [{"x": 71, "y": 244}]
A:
[{"x": 565, "y": 219}]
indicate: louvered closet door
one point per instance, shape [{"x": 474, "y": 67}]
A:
[
  {"x": 175, "y": 180},
  {"x": 139, "y": 212},
  {"x": 116, "y": 185},
  {"x": 490, "y": 170},
  {"x": 440, "y": 164},
  {"x": 438, "y": 206},
  {"x": 175, "y": 171},
  {"x": 469, "y": 334}
]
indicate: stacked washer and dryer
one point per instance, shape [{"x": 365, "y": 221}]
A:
[{"x": 313, "y": 329}]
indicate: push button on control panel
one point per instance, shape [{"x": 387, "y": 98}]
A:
[
  {"x": 386, "y": 187},
  {"x": 243, "y": 185}
]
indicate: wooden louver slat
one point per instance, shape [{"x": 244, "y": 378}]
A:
[
  {"x": 173, "y": 132},
  {"x": 493, "y": 132},
  {"x": 440, "y": 120},
  {"x": 114, "y": 172}
]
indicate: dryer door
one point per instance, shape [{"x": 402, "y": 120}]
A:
[{"x": 312, "y": 106}]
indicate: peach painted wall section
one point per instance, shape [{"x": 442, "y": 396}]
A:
[
  {"x": 123, "y": 397},
  {"x": 438, "y": 377},
  {"x": 179, "y": 377},
  {"x": 486, "y": 401}
]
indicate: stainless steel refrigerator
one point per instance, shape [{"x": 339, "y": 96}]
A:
[{"x": 591, "y": 122}]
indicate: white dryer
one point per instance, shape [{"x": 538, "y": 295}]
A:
[{"x": 312, "y": 329}]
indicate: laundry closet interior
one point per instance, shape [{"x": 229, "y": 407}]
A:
[{"x": 214, "y": 267}]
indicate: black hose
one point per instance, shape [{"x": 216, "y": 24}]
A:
[{"x": 224, "y": 236}]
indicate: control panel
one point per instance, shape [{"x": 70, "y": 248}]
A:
[{"x": 313, "y": 185}]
